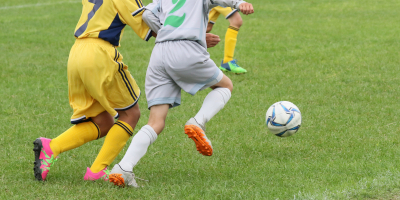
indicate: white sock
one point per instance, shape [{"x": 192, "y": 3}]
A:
[
  {"x": 138, "y": 147},
  {"x": 213, "y": 103}
]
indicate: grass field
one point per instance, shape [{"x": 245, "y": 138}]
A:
[{"x": 337, "y": 60}]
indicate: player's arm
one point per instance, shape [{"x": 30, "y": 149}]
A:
[
  {"x": 244, "y": 7},
  {"x": 131, "y": 13},
  {"x": 150, "y": 17},
  {"x": 154, "y": 23}
]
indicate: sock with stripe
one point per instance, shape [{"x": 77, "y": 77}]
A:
[
  {"x": 75, "y": 137},
  {"x": 212, "y": 104},
  {"x": 138, "y": 147},
  {"x": 113, "y": 144},
  {"x": 230, "y": 43}
]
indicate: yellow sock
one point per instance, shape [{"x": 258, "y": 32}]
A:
[
  {"x": 74, "y": 137},
  {"x": 113, "y": 144},
  {"x": 230, "y": 43}
]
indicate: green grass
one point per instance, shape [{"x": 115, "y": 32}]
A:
[{"x": 336, "y": 60}]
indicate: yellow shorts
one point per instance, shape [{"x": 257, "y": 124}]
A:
[
  {"x": 215, "y": 12},
  {"x": 98, "y": 80}
]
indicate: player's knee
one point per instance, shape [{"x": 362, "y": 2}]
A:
[
  {"x": 130, "y": 116},
  {"x": 106, "y": 126},
  {"x": 224, "y": 83},
  {"x": 238, "y": 22},
  {"x": 134, "y": 114},
  {"x": 158, "y": 125},
  {"x": 104, "y": 122},
  {"x": 230, "y": 85},
  {"x": 227, "y": 83}
]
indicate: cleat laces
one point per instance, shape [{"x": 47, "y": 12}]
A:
[{"x": 107, "y": 174}]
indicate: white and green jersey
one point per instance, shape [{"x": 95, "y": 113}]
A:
[{"x": 187, "y": 19}]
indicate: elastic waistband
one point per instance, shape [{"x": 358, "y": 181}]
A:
[
  {"x": 92, "y": 40},
  {"x": 176, "y": 41}
]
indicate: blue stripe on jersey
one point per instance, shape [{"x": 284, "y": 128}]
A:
[
  {"x": 139, "y": 3},
  {"x": 97, "y": 4},
  {"x": 113, "y": 33}
]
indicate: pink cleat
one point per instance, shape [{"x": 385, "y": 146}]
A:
[
  {"x": 44, "y": 158},
  {"x": 90, "y": 176}
]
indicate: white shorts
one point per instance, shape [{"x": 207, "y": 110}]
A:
[{"x": 176, "y": 65}]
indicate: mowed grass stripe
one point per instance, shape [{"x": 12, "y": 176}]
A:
[{"x": 36, "y": 5}]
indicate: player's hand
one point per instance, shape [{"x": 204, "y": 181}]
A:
[
  {"x": 246, "y": 8},
  {"x": 153, "y": 34},
  {"x": 212, "y": 40}
]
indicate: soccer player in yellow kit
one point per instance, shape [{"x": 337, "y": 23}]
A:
[
  {"x": 100, "y": 87},
  {"x": 235, "y": 22}
]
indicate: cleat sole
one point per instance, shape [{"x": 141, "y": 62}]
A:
[
  {"x": 117, "y": 180},
  {"x": 196, "y": 134},
  {"x": 36, "y": 165},
  {"x": 223, "y": 69}
]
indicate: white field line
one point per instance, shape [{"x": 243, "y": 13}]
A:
[{"x": 36, "y": 5}]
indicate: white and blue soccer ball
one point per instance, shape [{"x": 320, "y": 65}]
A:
[{"x": 283, "y": 119}]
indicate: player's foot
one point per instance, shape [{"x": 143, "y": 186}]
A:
[
  {"x": 122, "y": 178},
  {"x": 90, "y": 176},
  {"x": 44, "y": 158},
  {"x": 232, "y": 66},
  {"x": 196, "y": 132}
]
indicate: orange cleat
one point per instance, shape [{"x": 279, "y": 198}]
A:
[
  {"x": 117, "y": 180},
  {"x": 122, "y": 178},
  {"x": 196, "y": 133}
]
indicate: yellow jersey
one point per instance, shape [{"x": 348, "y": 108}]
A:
[{"x": 106, "y": 19}]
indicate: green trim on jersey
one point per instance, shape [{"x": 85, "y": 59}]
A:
[{"x": 173, "y": 20}]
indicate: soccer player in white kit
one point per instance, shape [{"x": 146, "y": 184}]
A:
[{"x": 179, "y": 61}]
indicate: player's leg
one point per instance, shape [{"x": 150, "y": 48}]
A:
[
  {"x": 74, "y": 137},
  {"x": 121, "y": 174},
  {"x": 215, "y": 100},
  {"x": 212, "y": 104},
  {"x": 235, "y": 22},
  {"x": 114, "y": 142},
  {"x": 212, "y": 18},
  {"x": 46, "y": 150},
  {"x": 122, "y": 95},
  {"x": 203, "y": 74},
  {"x": 229, "y": 64},
  {"x": 91, "y": 121},
  {"x": 162, "y": 93},
  {"x": 79, "y": 134}
]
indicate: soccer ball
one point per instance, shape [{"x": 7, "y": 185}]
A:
[{"x": 283, "y": 119}]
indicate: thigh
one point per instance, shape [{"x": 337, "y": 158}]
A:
[
  {"x": 213, "y": 16},
  {"x": 189, "y": 65},
  {"x": 99, "y": 81},
  {"x": 84, "y": 80},
  {"x": 226, "y": 12},
  {"x": 160, "y": 87},
  {"x": 158, "y": 114},
  {"x": 122, "y": 92}
]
